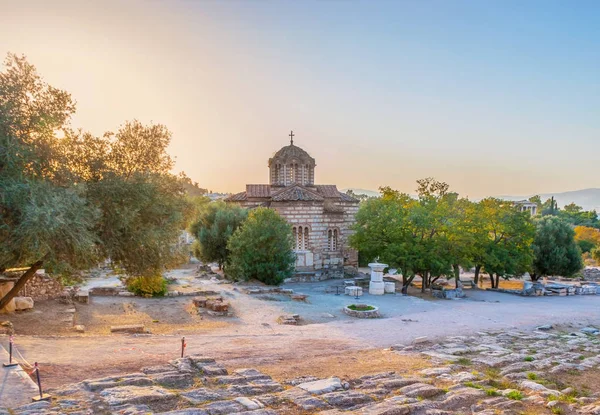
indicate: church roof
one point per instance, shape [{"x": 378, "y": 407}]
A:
[
  {"x": 258, "y": 190},
  {"x": 295, "y": 192}
]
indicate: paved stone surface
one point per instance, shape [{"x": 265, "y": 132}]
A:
[
  {"x": 16, "y": 387},
  {"x": 492, "y": 373}
]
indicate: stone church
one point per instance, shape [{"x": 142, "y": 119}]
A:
[{"x": 320, "y": 215}]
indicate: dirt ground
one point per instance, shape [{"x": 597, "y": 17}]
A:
[{"x": 332, "y": 344}]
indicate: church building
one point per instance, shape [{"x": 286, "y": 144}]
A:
[{"x": 320, "y": 215}]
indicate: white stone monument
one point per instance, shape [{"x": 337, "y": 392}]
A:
[{"x": 377, "y": 286}]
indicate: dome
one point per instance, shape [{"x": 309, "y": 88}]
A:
[
  {"x": 291, "y": 165},
  {"x": 292, "y": 152}
]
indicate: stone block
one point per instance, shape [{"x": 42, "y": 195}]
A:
[
  {"x": 353, "y": 291},
  {"x": 319, "y": 387},
  {"x": 129, "y": 328},
  {"x": 23, "y": 303},
  {"x": 389, "y": 287},
  {"x": 376, "y": 288}
]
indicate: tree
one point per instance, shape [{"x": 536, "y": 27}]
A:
[
  {"x": 69, "y": 202},
  {"x": 503, "y": 242},
  {"x": 216, "y": 223},
  {"x": 43, "y": 223},
  {"x": 262, "y": 248},
  {"x": 383, "y": 230},
  {"x": 143, "y": 206},
  {"x": 555, "y": 249}
]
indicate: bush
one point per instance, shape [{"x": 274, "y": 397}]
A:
[
  {"x": 262, "y": 248},
  {"x": 153, "y": 286}
]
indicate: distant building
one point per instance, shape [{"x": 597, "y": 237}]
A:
[
  {"x": 320, "y": 215},
  {"x": 527, "y": 206}
]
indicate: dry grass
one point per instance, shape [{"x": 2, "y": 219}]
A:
[{"x": 351, "y": 364}]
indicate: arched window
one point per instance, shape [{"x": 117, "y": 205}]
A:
[
  {"x": 332, "y": 239},
  {"x": 301, "y": 237}
]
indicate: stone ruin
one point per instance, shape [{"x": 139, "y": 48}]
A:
[
  {"x": 491, "y": 373},
  {"x": 552, "y": 288},
  {"x": 214, "y": 306}
]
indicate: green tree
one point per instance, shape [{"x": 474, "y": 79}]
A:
[
  {"x": 262, "y": 248},
  {"x": 43, "y": 223},
  {"x": 383, "y": 230},
  {"x": 503, "y": 244},
  {"x": 216, "y": 223},
  {"x": 555, "y": 249}
]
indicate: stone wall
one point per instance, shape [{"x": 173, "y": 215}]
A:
[
  {"x": 40, "y": 287},
  {"x": 319, "y": 259}
]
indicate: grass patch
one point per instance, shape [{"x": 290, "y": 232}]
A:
[
  {"x": 492, "y": 392},
  {"x": 528, "y": 359},
  {"x": 473, "y": 385},
  {"x": 492, "y": 372},
  {"x": 515, "y": 395},
  {"x": 556, "y": 410},
  {"x": 463, "y": 361},
  {"x": 361, "y": 307},
  {"x": 531, "y": 376}
]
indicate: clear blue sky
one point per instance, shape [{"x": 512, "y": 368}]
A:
[{"x": 494, "y": 97}]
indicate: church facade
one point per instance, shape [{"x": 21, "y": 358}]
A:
[{"x": 320, "y": 215}]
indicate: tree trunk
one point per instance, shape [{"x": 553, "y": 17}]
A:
[
  {"x": 20, "y": 284},
  {"x": 456, "y": 275},
  {"x": 492, "y": 281},
  {"x": 476, "y": 278},
  {"x": 405, "y": 283},
  {"x": 497, "y": 280}
]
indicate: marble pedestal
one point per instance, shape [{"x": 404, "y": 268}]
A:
[{"x": 377, "y": 286}]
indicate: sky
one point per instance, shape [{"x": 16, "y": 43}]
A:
[{"x": 493, "y": 97}]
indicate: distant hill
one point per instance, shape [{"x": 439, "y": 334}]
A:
[{"x": 588, "y": 199}]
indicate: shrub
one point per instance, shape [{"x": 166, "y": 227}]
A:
[
  {"x": 528, "y": 359},
  {"x": 151, "y": 286},
  {"x": 262, "y": 248}
]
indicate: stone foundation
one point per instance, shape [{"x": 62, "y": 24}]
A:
[{"x": 39, "y": 287}]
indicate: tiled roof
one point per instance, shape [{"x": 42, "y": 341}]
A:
[
  {"x": 328, "y": 190},
  {"x": 238, "y": 197},
  {"x": 291, "y": 193},
  {"x": 296, "y": 192},
  {"x": 258, "y": 190}
]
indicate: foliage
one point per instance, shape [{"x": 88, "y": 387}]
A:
[
  {"x": 359, "y": 196},
  {"x": 69, "y": 202},
  {"x": 503, "y": 243},
  {"x": 147, "y": 286},
  {"x": 587, "y": 238},
  {"x": 555, "y": 249},
  {"x": 262, "y": 248},
  {"x": 438, "y": 233},
  {"x": 216, "y": 223},
  {"x": 571, "y": 213},
  {"x": 42, "y": 222}
]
